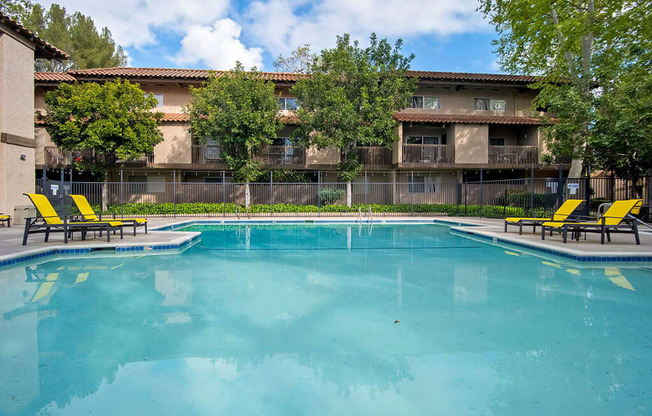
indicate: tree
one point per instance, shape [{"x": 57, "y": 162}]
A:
[
  {"x": 351, "y": 97},
  {"x": 76, "y": 34},
  {"x": 239, "y": 111},
  {"x": 580, "y": 47},
  {"x": 298, "y": 62},
  {"x": 622, "y": 142},
  {"x": 113, "y": 119}
]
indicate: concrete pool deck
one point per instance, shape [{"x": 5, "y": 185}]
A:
[{"x": 622, "y": 246}]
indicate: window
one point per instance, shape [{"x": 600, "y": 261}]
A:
[
  {"x": 159, "y": 98},
  {"x": 425, "y": 184},
  {"x": 481, "y": 104},
  {"x": 213, "y": 179},
  {"x": 431, "y": 103},
  {"x": 426, "y": 140},
  {"x": 496, "y": 141},
  {"x": 148, "y": 184},
  {"x": 289, "y": 104},
  {"x": 498, "y": 105},
  {"x": 282, "y": 141},
  {"x": 485, "y": 104}
]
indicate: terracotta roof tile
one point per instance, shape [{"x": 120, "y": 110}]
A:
[
  {"x": 466, "y": 119},
  {"x": 168, "y": 73},
  {"x": 43, "y": 49},
  {"x": 474, "y": 77},
  {"x": 53, "y": 77},
  {"x": 175, "y": 117}
]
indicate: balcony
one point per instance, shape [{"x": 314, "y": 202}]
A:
[
  {"x": 54, "y": 157},
  {"x": 283, "y": 156},
  {"x": 513, "y": 155},
  {"x": 208, "y": 155},
  {"x": 422, "y": 155},
  {"x": 375, "y": 157}
]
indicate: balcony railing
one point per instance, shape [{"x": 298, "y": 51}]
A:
[
  {"x": 375, "y": 157},
  {"x": 207, "y": 155},
  {"x": 294, "y": 156},
  {"x": 513, "y": 155},
  {"x": 427, "y": 154},
  {"x": 55, "y": 157}
]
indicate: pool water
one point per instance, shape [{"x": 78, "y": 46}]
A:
[{"x": 326, "y": 320}]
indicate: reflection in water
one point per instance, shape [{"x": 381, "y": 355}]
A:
[{"x": 451, "y": 328}]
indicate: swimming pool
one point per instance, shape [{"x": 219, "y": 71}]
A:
[{"x": 330, "y": 319}]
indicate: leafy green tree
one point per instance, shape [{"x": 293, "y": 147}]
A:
[
  {"x": 113, "y": 119},
  {"x": 622, "y": 142},
  {"x": 239, "y": 111},
  {"x": 351, "y": 97},
  {"x": 580, "y": 47},
  {"x": 76, "y": 34},
  {"x": 298, "y": 62}
]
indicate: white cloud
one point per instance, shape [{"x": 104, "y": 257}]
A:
[
  {"x": 282, "y": 25},
  {"x": 218, "y": 46},
  {"x": 133, "y": 23}
]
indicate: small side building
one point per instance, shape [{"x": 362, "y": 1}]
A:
[{"x": 19, "y": 48}]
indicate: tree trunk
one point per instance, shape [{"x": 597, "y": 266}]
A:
[
  {"x": 247, "y": 196},
  {"x": 348, "y": 194},
  {"x": 575, "y": 169},
  {"x": 105, "y": 196}
]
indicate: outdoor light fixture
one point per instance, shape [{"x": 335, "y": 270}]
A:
[{"x": 23, "y": 158}]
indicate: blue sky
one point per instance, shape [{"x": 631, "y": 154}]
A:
[{"x": 444, "y": 35}]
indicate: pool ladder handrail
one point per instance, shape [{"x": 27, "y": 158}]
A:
[
  {"x": 237, "y": 211},
  {"x": 359, "y": 215},
  {"x": 371, "y": 215}
]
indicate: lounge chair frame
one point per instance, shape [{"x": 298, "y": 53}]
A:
[
  {"x": 537, "y": 222},
  {"x": 91, "y": 216},
  {"x": 39, "y": 225},
  {"x": 6, "y": 219}
]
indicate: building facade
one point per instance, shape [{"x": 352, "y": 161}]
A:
[
  {"x": 458, "y": 125},
  {"x": 18, "y": 49}
]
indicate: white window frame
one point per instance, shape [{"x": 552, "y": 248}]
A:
[
  {"x": 159, "y": 98},
  {"x": 423, "y": 102},
  {"x": 283, "y": 103},
  {"x": 491, "y": 104}
]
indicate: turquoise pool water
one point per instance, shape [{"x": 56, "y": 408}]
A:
[{"x": 326, "y": 320}]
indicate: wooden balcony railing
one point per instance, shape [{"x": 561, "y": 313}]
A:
[
  {"x": 287, "y": 156},
  {"x": 54, "y": 157},
  {"x": 513, "y": 155},
  {"x": 428, "y": 154},
  {"x": 375, "y": 157},
  {"x": 207, "y": 155}
]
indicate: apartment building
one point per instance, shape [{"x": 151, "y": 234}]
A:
[{"x": 459, "y": 125}]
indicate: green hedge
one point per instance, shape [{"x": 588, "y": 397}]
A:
[{"x": 218, "y": 208}]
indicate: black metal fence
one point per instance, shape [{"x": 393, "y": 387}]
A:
[{"x": 500, "y": 198}]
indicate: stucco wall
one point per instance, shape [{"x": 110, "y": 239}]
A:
[
  {"x": 176, "y": 146},
  {"x": 471, "y": 143},
  {"x": 17, "y": 119}
]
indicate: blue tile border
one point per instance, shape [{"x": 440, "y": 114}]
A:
[
  {"x": 576, "y": 257},
  {"x": 118, "y": 249}
]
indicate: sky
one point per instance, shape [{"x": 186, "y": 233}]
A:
[{"x": 444, "y": 35}]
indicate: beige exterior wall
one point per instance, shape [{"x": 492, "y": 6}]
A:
[
  {"x": 176, "y": 146},
  {"x": 316, "y": 157},
  {"x": 17, "y": 120},
  {"x": 452, "y": 101},
  {"x": 471, "y": 143}
]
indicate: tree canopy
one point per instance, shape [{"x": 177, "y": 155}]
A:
[
  {"x": 74, "y": 33},
  {"x": 582, "y": 48},
  {"x": 239, "y": 111},
  {"x": 113, "y": 119},
  {"x": 351, "y": 97},
  {"x": 299, "y": 60}
]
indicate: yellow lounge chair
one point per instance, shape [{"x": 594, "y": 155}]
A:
[
  {"x": 48, "y": 221},
  {"x": 562, "y": 213},
  {"x": 615, "y": 220},
  {"x": 88, "y": 214},
  {"x": 7, "y": 219}
]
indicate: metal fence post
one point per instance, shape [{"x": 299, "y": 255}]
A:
[
  {"x": 61, "y": 182},
  {"x": 481, "y": 194},
  {"x": 532, "y": 192},
  {"x": 560, "y": 187},
  {"x": 319, "y": 193},
  {"x": 365, "y": 188},
  {"x": 587, "y": 190},
  {"x": 466, "y": 191},
  {"x": 271, "y": 191},
  {"x": 412, "y": 192},
  {"x": 174, "y": 192},
  {"x": 223, "y": 194},
  {"x": 505, "y": 204},
  {"x": 122, "y": 212},
  {"x": 459, "y": 198}
]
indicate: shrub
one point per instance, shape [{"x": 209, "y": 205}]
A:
[{"x": 330, "y": 195}]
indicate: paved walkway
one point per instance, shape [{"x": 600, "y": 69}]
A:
[{"x": 622, "y": 244}]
